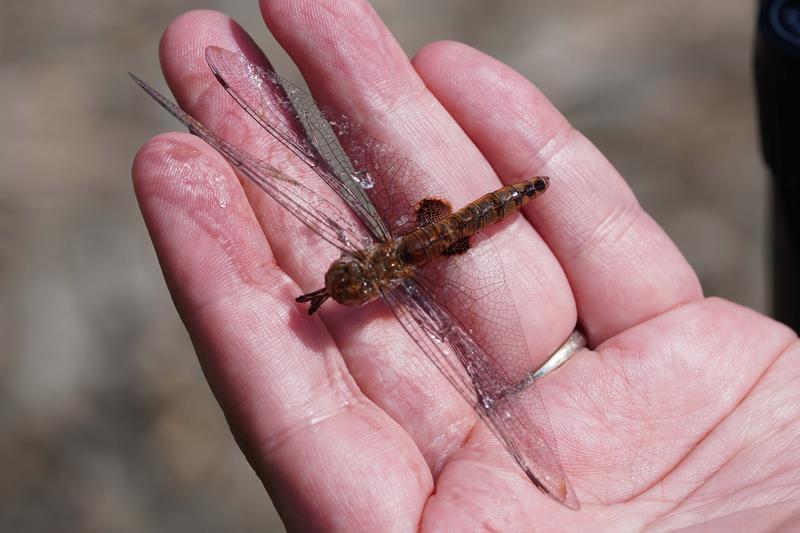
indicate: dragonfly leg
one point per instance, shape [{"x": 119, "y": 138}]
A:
[{"x": 317, "y": 298}]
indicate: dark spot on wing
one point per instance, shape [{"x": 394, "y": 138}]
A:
[
  {"x": 430, "y": 210},
  {"x": 458, "y": 247}
]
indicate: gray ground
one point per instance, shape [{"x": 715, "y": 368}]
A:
[{"x": 108, "y": 424}]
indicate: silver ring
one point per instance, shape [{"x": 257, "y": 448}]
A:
[{"x": 571, "y": 346}]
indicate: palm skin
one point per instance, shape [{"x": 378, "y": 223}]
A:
[{"x": 685, "y": 413}]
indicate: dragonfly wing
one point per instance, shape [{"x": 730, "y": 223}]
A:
[
  {"x": 398, "y": 183},
  {"x": 376, "y": 180},
  {"x": 292, "y": 117},
  {"x": 518, "y": 420},
  {"x": 473, "y": 287},
  {"x": 310, "y": 208}
]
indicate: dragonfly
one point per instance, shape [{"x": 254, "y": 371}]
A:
[{"x": 443, "y": 281}]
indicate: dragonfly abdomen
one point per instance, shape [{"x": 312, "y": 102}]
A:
[{"x": 437, "y": 237}]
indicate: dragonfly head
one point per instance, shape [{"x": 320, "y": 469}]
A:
[{"x": 350, "y": 281}]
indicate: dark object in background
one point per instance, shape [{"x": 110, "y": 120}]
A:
[{"x": 777, "y": 69}]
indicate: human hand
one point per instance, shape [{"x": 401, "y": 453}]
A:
[{"x": 682, "y": 414}]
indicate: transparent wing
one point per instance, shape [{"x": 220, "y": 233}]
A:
[
  {"x": 398, "y": 183},
  {"x": 473, "y": 288},
  {"x": 517, "y": 418},
  {"x": 291, "y": 116},
  {"x": 377, "y": 181},
  {"x": 306, "y": 205}
]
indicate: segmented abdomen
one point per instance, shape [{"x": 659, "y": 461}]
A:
[{"x": 424, "y": 244}]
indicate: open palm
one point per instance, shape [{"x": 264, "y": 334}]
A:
[{"x": 684, "y": 413}]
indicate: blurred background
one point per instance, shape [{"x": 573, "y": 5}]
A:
[{"x": 108, "y": 424}]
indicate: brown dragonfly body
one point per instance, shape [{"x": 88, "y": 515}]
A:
[{"x": 355, "y": 279}]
